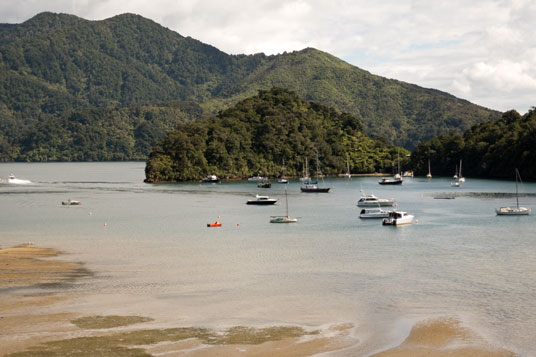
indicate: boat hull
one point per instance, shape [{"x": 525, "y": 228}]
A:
[
  {"x": 513, "y": 211},
  {"x": 315, "y": 189},
  {"x": 261, "y": 202},
  {"x": 283, "y": 220}
]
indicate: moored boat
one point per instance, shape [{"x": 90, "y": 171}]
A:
[
  {"x": 395, "y": 180},
  {"x": 398, "y": 218},
  {"x": 517, "y": 210},
  {"x": 264, "y": 184},
  {"x": 257, "y": 178},
  {"x": 215, "y": 224},
  {"x": 373, "y": 201},
  {"x": 211, "y": 179},
  {"x": 283, "y": 219},
  {"x": 262, "y": 200},
  {"x": 71, "y": 203},
  {"x": 373, "y": 213}
]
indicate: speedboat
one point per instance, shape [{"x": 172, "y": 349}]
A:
[
  {"x": 373, "y": 213},
  {"x": 395, "y": 180},
  {"x": 373, "y": 201},
  {"x": 71, "y": 203},
  {"x": 398, "y": 218},
  {"x": 211, "y": 179},
  {"x": 262, "y": 200},
  {"x": 13, "y": 180}
]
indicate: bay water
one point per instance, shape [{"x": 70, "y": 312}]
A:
[{"x": 152, "y": 254}]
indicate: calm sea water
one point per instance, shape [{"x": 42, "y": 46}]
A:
[{"x": 153, "y": 255}]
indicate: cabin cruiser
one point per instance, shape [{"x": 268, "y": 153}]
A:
[
  {"x": 373, "y": 201},
  {"x": 395, "y": 180},
  {"x": 398, "y": 218},
  {"x": 373, "y": 213},
  {"x": 262, "y": 200}
]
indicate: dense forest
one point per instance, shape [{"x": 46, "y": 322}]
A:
[
  {"x": 56, "y": 66},
  {"x": 270, "y": 134},
  {"x": 492, "y": 149}
]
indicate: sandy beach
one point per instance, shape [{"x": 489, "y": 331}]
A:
[{"x": 28, "y": 330}]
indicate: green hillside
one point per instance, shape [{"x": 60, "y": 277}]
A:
[
  {"x": 54, "y": 64},
  {"x": 259, "y": 134},
  {"x": 491, "y": 149}
]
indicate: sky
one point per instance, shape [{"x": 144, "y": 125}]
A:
[{"x": 480, "y": 50}]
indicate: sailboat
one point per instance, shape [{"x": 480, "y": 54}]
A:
[
  {"x": 313, "y": 186},
  {"x": 284, "y": 219},
  {"x": 460, "y": 176},
  {"x": 514, "y": 211},
  {"x": 395, "y": 180},
  {"x": 429, "y": 174},
  {"x": 348, "y": 168},
  {"x": 305, "y": 178},
  {"x": 283, "y": 179}
]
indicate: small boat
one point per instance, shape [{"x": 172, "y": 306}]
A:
[
  {"x": 314, "y": 188},
  {"x": 262, "y": 200},
  {"x": 395, "y": 180},
  {"x": 429, "y": 174},
  {"x": 373, "y": 213},
  {"x": 398, "y": 218},
  {"x": 407, "y": 174},
  {"x": 13, "y": 180},
  {"x": 215, "y": 224},
  {"x": 264, "y": 184},
  {"x": 373, "y": 201},
  {"x": 460, "y": 177},
  {"x": 282, "y": 180},
  {"x": 211, "y": 179},
  {"x": 257, "y": 178},
  {"x": 456, "y": 183},
  {"x": 284, "y": 219},
  {"x": 348, "y": 174},
  {"x": 517, "y": 210},
  {"x": 71, "y": 203}
]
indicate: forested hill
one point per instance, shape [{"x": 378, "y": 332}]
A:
[
  {"x": 53, "y": 64},
  {"x": 270, "y": 134},
  {"x": 492, "y": 149}
]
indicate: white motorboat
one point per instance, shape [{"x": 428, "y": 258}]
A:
[
  {"x": 373, "y": 201},
  {"x": 282, "y": 180},
  {"x": 517, "y": 210},
  {"x": 13, "y": 180},
  {"x": 373, "y": 213},
  {"x": 262, "y": 200},
  {"x": 211, "y": 179},
  {"x": 398, "y": 218},
  {"x": 257, "y": 178}
]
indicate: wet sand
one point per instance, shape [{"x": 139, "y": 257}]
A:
[{"x": 27, "y": 329}]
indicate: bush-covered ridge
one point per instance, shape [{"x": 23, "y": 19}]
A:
[
  {"x": 54, "y": 64},
  {"x": 492, "y": 149},
  {"x": 259, "y": 134}
]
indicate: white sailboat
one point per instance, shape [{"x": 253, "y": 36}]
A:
[
  {"x": 348, "y": 168},
  {"x": 460, "y": 176},
  {"x": 517, "y": 210},
  {"x": 284, "y": 219},
  {"x": 429, "y": 174},
  {"x": 282, "y": 179}
]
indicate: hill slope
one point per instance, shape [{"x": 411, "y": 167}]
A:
[{"x": 55, "y": 63}]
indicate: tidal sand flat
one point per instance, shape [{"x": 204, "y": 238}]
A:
[{"x": 28, "y": 330}]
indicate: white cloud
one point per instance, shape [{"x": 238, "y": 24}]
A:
[{"x": 482, "y": 50}]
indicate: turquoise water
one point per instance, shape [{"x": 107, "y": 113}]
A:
[{"x": 153, "y": 255}]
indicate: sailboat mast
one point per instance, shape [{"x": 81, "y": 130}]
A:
[
  {"x": 286, "y": 201},
  {"x": 517, "y": 194}
]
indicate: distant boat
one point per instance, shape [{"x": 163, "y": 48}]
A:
[
  {"x": 284, "y": 219},
  {"x": 460, "y": 176},
  {"x": 348, "y": 174},
  {"x": 71, "y": 203},
  {"x": 257, "y": 178},
  {"x": 313, "y": 186},
  {"x": 374, "y": 213},
  {"x": 395, "y": 180},
  {"x": 211, "y": 179},
  {"x": 373, "y": 201},
  {"x": 407, "y": 174},
  {"x": 517, "y": 210},
  {"x": 398, "y": 218},
  {"x": 456, "y": 184},
  {"x": 282, "y": 179},
  {"x": 215, "y": 224},
  {"x": 264, "y": 184},
  {"x": 262, "y": 200},
  {"x": 13, "y": 180},
  {"x": 305, "y": 178},
  {"x": 429, "y": 174},
  {"x": 455, "y": 173}
]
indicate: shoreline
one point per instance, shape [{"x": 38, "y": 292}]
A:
[{"x": 28, "y": 329}]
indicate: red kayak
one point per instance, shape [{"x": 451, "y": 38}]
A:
[{"x": 215, "y": 224}]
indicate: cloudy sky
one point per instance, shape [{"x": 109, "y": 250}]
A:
[{"x": 480, "y": 50}]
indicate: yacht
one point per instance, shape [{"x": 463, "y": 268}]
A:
[
  {"x": 374, "y": 213},
  {"x": 398, "y": 218},
  {"x": 516, "y": 210},
  {"x": 373, "y": 201},
  {"x": 395, "y": 180}
]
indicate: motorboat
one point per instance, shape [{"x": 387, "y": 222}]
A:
[
  {"x": 71, "y": 203},
  {"x": 257, "y": 178},
  {"x": 517, "y": 210},
  {"x": 395, "y": 180},
  {"x": 211, "y": 179},
  {"x": 282, "y": 180},
  {"x": 215, "y": 224},
  {"x": 373, "y": 213},
  {"x": 373, "y": 201},
  {"x": 262, "y": 200},
  {"x": 13, "y": 180},
  {"x": 398, "y": 218},
  {"x": 314, "y": 188}
]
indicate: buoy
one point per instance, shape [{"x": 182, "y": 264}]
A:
[{"x": 238, "y": 224}]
